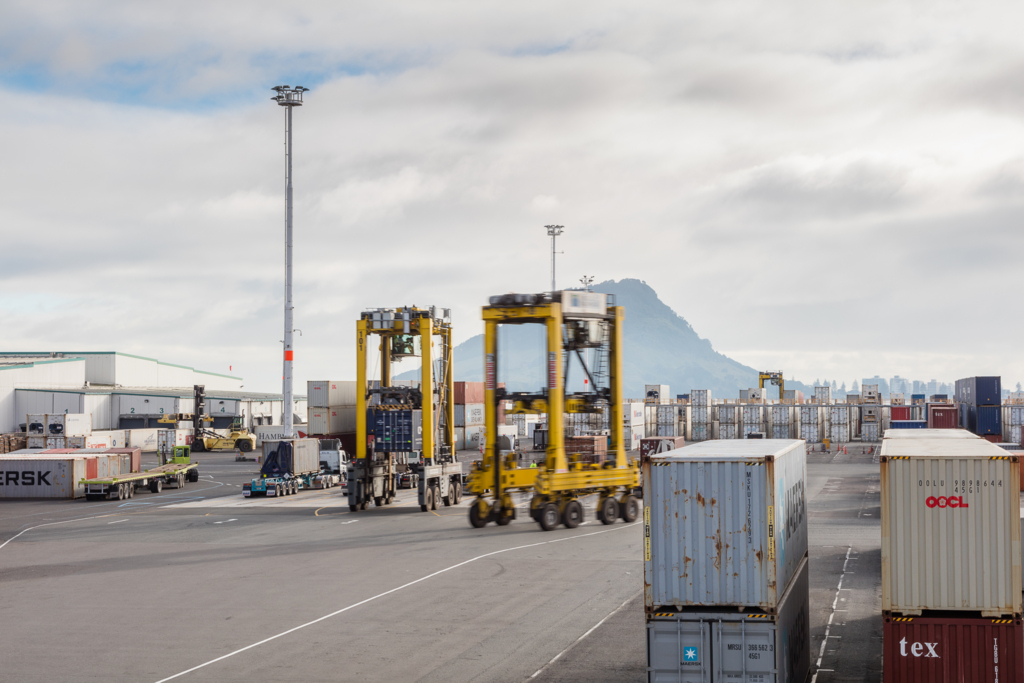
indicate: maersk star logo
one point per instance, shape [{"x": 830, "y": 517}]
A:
[{"x": 689, "y": 654}]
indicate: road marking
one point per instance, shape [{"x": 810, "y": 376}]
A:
[
  {"x": 225, "y": 521},
  {"x": 828, "y": 627},
  {"x": 117, "y": 521},
  {"x": 389, "y": 592},
  {"x": 591, "y": 630}
]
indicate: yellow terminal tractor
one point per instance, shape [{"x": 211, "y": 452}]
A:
[
  {"x": 576, "y": 321},
  {"x": 405, "y": 425}
]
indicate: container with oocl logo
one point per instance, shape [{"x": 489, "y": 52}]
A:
[{"x": 950, "y": 527}]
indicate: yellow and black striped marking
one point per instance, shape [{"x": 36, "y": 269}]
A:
[
  {"x": 1002, "y": 621},
  {"x": 903, "y": 618}
]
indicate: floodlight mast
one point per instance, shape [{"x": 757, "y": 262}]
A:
[
  {"x": 553, "y": 231},
  {"x": 288, "y": 98}
]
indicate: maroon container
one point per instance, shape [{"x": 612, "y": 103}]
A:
[
  {"x": 469, "y": 392},
  {"x": 653, "y": 445},
  {"x": 900, "y": 413},
  {"x": 993, "y": 438},
  {"x": 948, "y": 650},
  {"x": 943, "y": 417}
]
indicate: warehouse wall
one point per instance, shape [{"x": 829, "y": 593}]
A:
[{"x": 60, "y": 372}]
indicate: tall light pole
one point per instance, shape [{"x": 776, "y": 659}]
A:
[
  {"x": 553, "y": 232},
  {"x": 288, "y": 98},
  {"x": 587, "y": 280}
]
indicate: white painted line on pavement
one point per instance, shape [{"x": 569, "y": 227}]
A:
[
  {"x": 389, "y": 592},
  {"x": 117, "y": 521},
  {"x": 592, "y": 629}
]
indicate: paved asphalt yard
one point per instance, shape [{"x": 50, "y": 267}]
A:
[{"x": 204, "y": 585}]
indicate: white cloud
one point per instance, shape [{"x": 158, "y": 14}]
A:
[{"x": 831, "y": 187}]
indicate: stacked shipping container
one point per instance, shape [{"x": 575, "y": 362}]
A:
[
  {"x": 951, "y": 559},
  {"x": 726, "y": 588},
  {"x": 700, "y": 414}
]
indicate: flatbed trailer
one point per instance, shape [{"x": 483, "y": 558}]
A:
[
  {"x": 123, "y": 486},
  {"x": 287, "y": 486}
]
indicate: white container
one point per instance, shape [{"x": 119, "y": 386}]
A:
[
  {"x": 754, "y": 395},
  {"x": 114, "y": 438},
  {"x": 840, "y": 433},
  {"x": 142, "y": 438},
  {"x": 823, "y": 395},
  {"x": 460, "y": 438},
  {"x": 781, "y": 415},
  {"x": 35, "y": 424},
  {"x": 700, "y": 415},
  {"x": 700, "y": 397},
  {"x": 930, "y": 434},
  {"x": 950, "y": 527},
  {"x": 74, "y": 442},
  {"x": 666, "y": 430},
  {"x": 700, "y": 431},
  {"x": 305, "y": 454},
  {"x": 728, "y": 415},
  {"x": 1016, "y": 415},
  {"x": 780, "y": 431},
  {"x": 811, "y": 433},
  {"x": 475, "y": 436},
  {"x": 869, "y": 432},
  {"x": 725, "y": 523},
  {"x": 657, "y": 393},
  {"x": 838, "y": 415},
  {"x": 318, "y": 420},
  {"x": 728, "y": 431},
  {"x": 633, "y": 414},
  {"x": 55, "y": 442},
  {"x": 752, "y": 415},
  {"x": 39, "y": 476},
  {"x": 328, "y": 393},
  {"x": 474, "y": 414},
  {"x": 667, "y": 415},
  {"x": 631, "y": 437},
  {"x": 72, "y": 424},
  {"x": 810, "y": 414}
]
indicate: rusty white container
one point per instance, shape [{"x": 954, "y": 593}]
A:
[
  {"x": 725, "y": 523},
  {"x": 40, "y": 476},
  {"x": 950, "y": 527}
]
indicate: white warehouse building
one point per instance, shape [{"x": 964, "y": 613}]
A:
[{"x": 124, "y": 391}]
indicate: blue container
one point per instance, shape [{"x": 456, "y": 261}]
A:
[
  {"x": 980, "y": 391},
  {"x": 917, "y": 397},
  {"x": 988, "y": 420},
  {"x": 908, "y": 424},
  {"x": 396, "y": 431}
]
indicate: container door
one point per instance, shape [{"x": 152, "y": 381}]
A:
[
  {"x": 91, "y": 470},
  {"x": 679, "y": 652},
  {"x": 744, "y": 651}
]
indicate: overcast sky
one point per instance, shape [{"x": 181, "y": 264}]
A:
[{"x": 829, "y": 189}]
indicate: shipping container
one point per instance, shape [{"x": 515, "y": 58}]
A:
[
  {"x": 839, "y": 433},
  {"x": 586, "y": 445},
  {"x": 55, "y": 442},
  {"x": 728, "y": 431},
  {"x": 327, "y": 394},
  {"x": 293, "y": 456},
  {"x": 475, "y": 435},
  {"x": 869, "y": 432},
  {"x": 70, "y": 424},
  {"x": 984, "y": 420},
  {"x": 731, "y": 647},
  {"x": 657, "y": 393},
  {"x": 699, "y": 432},
  {"x": 952, "y": 650},
  {"x": 823, "y": 395},
  {"x": 752, "y": 415},
  {"x": 656, "y": 446},
  {"x": 979, "y": 391},
  {"x": 142, "y": 438},
  {"x": 811, "y": 433},
  {"x": 396, "y": 431},
  {"x": 869, "y": 394},
  {"x": 782, "y": 415},
  {"x": 469, "y": 392},
  {"x": 780, "y": 432},
  {"x": 633, "y": 414},
  {"x": 700, "y": 397},
  {"x": 1016, "y": 415},
  {"x": 899, "y": 413},
  {"x": 75, "y": 442},
  {"x": 871, "y": 413},
  {"x": 810, "y": 415},
  {"x": 41, "y": 476},
  {"x": 907, "y": 424},
  {"x": 725, "y": 523},
  {"x": 667, "y": 415},
  {"x": 728, "y": 414},
  {"x": 35, "y": 442},
  {"x": 943, "y": 417},
  {"x": 950, "y": 526},
  {"x": 931, "y": 434},
  {"x": 1012, "y": 434},
  {"x": 838, "y": 415},
  {"x": 35, "y": 424},
  {"x": 460, "y": 438},
  {"x": 469, "y": 415},
  {"x": 666, "y": 430},
  {"x": 917, "y": 398},
  {"x": 113, "y": 438},
  {"x": 700, "y": 414}
]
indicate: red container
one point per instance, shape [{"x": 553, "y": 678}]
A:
[
  {"x": 136, "y": 453},
  {"x": 943, "y": 417},
  {"x": 900, "y": 413},
  {"x": 469, "y": 392},
  {"x": 993, "y": 438},
  {"x": 945, "y": 649},
  {"x": 653, "y": 445}
]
